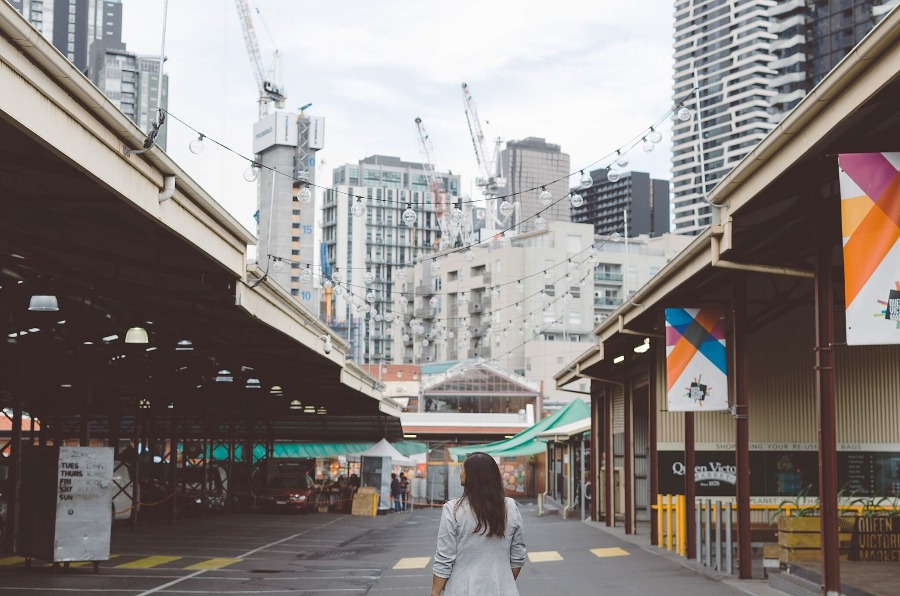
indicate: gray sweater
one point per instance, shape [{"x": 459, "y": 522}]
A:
[{"x": 476, "y": 564}]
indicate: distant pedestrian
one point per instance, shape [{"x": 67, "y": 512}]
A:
[
  {"x": 395, "y": 492},
  {"x": 404, "y": 491},
  {"x": 480, "y": 545}
]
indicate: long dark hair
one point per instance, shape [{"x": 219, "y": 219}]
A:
[{"x": 483, "y": 491}]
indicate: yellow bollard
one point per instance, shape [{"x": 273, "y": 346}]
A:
[
  {"x": 682, "y": 525},
  {"x": 669, "y": 528},
  {"x": 660, "y": 533}
]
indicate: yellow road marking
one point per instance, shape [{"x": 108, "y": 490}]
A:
[
  {"x": 12, "y": 560},
  {"x": 412, "y": 563},
  {"x": 214, "y": 563},
  {"x": 610, "y": 552},
  {"x": 544, "y": 556},
  {"x": 147, "y": 562}
]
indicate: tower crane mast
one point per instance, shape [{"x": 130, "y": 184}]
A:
[
  {"x": 436, "y": 184},
  {"x": 490, "y": 182},
  {"x": 269, "y": 90}
]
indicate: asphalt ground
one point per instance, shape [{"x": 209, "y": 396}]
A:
[{"x": 329, "y": 553}]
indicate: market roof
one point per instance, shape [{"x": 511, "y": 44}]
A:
[
  {"x": 526, "y": 442},
  {"x": 312, "y": 450},
  {"x": 567, "y": 431}
]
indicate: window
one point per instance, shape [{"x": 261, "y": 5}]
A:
[{"x": 575, "y": 317}]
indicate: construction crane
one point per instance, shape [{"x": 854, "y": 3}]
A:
[
  {"x": 269, "y": 90},
  {"x": 436, "y": 184},
  {"x": 490, "y": 182}
]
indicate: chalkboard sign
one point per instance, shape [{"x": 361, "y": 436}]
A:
[
  {"x": 876, "y": 538},
  {"x": 83, "y": 510}
]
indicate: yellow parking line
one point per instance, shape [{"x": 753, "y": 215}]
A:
[
  {"x": 412, "y": 563},
  {"x": 147, "y": 562},
  {"x": 544, "y": 556},
  {"x": 610, "y": 552},
  {"x": 214, "y": 564},
  {"x": 12, "y": 560},
  {"x": 79, "y": 563}
]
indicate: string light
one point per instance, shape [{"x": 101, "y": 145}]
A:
[
  {"x": 505, "y": 208},
  {"x": 435, "y": 267},
  {"x": 540, "y": 223},
  {"x": 252, "y": 172},
  {"x": 647, "y": 145},
  {"x": 685, "y": 113},
  {"x": 196, "y": 145},
  {"x": 369, "y": 277},
  {"x": 305, "y": 195},
  {"x": 469, "y": 256},
  {"x": 621, "y": 159},
  {"x": 612, "y": 175},
  {"x": 358, "y": 208},
  {"x": 655, "y": 136},
  {"x": 409, "y": 216},
  {"x": 545, "y": 197},
  {"x": 586, "y": 180},
  {"x": 576, "y": 200}
]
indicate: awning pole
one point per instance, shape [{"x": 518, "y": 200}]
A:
[{"x": 740, "y": 373}]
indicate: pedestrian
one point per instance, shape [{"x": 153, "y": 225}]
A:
[
  {"x": 480, "y": 545},
  {"x": 404, "y": 491},
  {"x": 395, "y": 492}
]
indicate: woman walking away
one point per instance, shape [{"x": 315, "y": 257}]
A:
[{"x": 480, "y": 546}]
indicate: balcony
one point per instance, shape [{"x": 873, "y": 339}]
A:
[
  {"x": 426, "y": 313},
  {"x": 423, "y": 290},
  {"x": 607, "y": 302},
  {"x": 610, "y": 277}
]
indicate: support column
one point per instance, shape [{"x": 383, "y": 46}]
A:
[
  {"x": 628, "y": 452},
  {"x": 136, "y": 469},
  {"x": 826, "y": 410},
  {"x": 596, "y": 449},
  {"x": 653, "y": 366},
  {"x": 610, "y": 460},
  {"x": 173, "y": 467},
  {"x": 15, "y": 474},
  {"x": 229, "y": 470},
  {"x": 740, "y": 373},
  {"x": 690, "y": 489}
]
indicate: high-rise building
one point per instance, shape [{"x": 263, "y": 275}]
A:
[
  {"x": 285, "y": 144},
  {"x": 376, "y": 244},
  {"x": 528, "y": 304},
  {"x": 813, "y": 36},
  {"x": 89, "y": 34},
  {"x": 645, "y": 199},
  {"x": 752, "y": 60},
  {"x": 529, "y": 166}
]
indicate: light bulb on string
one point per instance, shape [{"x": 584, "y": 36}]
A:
[
  {"x": 196, "y": 145},
  {"x": 370, "y": 297},
  {"x": 435, "y": 267},
  {"x": 327, "y": 284},
  {"x": 545, "y": 198},
  {"x": 495, "y": 292},
  {"x": 685, "y": 113},
  {"x": 612, "y": 175},
  {"x": 586, "y": 180},
  {"x": 572, "y": 265},
  {"x": 655, "y": 136},
  {"x": 306, "y": 275},
  {"x": 405, "y": 337},
  {"x": 358, "y": 208},
  {"x": 336, "y": 277},
  {"x": 425, "y": 343},
  {"x": 463, "y": 299},
  {"x": 621, "y": 159},
  {"x": 378, "y": 316},
  {"x": 400, "y": 273},
  {"x": 543, "y": 296},
  {"x": 505, "y": 239},
  {"x": 369, "y": 277},
  {"x": 540, "y": 223},
  {"x": 647, "y": 145},
  {"x": 519, "y": 309},
  {"x": 305, "y": 195},
  {"x": 520, "y": 287},
  {"x": 409, "y": 216},
  {"x": 252, "y": 172},
  {"x": 506, "y": 208},
  {"x": 278, "y": 265},
  {"x": 338, "y": 289},
  {"x": 402, "y": 300},
  {"x": 576, "y": 200},
  {"x": 456, "y": 215},
  {"x": 469, "y": 255},
  {"x": 434, "y": 302}
]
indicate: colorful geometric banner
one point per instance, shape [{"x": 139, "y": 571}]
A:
[
  {"x": 870, "y": 222},
  {"x": 696, "y": 371}
]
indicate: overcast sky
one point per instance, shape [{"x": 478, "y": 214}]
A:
[{"x": 588, "y": 76}]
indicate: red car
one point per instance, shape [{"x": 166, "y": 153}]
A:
[{"x": 287, "y": 492}]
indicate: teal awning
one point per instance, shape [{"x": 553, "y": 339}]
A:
[
  {"x": 526, "y": 443},
  {"x": 311, "y": 450}
]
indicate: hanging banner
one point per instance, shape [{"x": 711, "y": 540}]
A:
[
  {"x": 696, "y": 372},
  {"x": 870, "y": 222}
]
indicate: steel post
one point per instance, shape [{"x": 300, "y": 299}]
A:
[
  {"x": 628, "y": 452},
  {"x": 826, "y": 406},
  {"x": 740, "y": 372},
  {"x": 690, "y": 489},
  {"x": 652, "y": 359}
]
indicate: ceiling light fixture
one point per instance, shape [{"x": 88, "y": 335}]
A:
[
  {"x": 136, "y": 335},
  {"x": 43, "y": 303}
]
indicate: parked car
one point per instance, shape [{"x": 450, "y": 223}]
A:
[{"x": 285, "y": 483}]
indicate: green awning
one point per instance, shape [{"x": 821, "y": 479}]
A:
[
  {"x": 526, "y": 443},
  {"x": 311, "y": 450}
]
